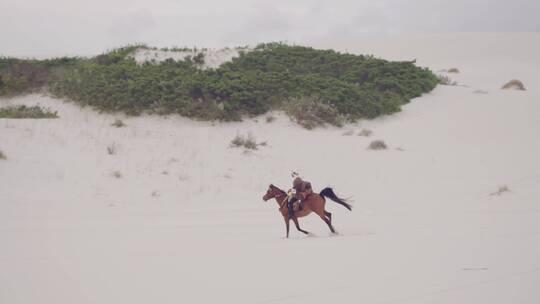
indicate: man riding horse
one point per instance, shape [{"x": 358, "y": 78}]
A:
[{"x": 300, "y": 191}]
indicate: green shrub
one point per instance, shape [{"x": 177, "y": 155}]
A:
[{"x": 23, "y": 111}]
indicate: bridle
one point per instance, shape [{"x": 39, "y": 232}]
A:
[{"x": 282, "y": 194}]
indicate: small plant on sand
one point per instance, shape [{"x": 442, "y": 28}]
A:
[
  {"x": 23, "y": 111},
  {"x": 248, "y": 142},
  {"x": 502, "y": 189},
  {"x": 445, "y": 80},
  {"x": 111, "y": 149},
  {"x": 365, "y": 132},
  {"x": 270, "y": 118},
  {"x": 377, "y": 145},
  {"x": 453, "y": 70},
  {"x": 480, "y": 92},
  {"x": 514, "y": 84},
  {"x": 117, "y": 174},
  {"x": 238, "y": 141},
  {"x": 118, "y": 123},
  {"x": 2, "y": 155}
]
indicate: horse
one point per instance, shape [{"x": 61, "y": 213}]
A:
[{"x": 313, "y": 203}]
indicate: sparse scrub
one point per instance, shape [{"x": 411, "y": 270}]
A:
[
  {"x": 453, "y": 70},
  {"x": 23, "y": 111},
  {"x": 270, "y": 119},
  {"x": 365, "y": 133},
  {"x": 118, "y": 123},
  {"x": 2, "y": 155},
  {"x": 248, "y": 142},
  {"x": 238, "y": 141},
  {"x": 312, "y": 112},
  {"x": 377, "y": 145},
  {"x": 514, "y": 84},
  {"x": 502, "y": 189},
  {"x": 445, "y": 80},
  {"x": 111, "y": 149}
]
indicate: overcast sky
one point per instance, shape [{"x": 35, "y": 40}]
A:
[{"x": 58, "y": 27}]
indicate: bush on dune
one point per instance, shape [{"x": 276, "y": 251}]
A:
[
  {"x": 267, "y": 78},
  {"x": 23, "y": 111}
]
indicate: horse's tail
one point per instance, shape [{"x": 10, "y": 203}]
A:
[{"x": 328, "y": 192}]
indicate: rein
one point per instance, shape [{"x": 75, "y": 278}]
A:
[{"x": 284, "y": 195}]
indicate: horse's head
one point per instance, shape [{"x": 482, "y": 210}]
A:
[{"x": 272, "y": 192}]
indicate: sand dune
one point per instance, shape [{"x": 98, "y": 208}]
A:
[{"x": 185, "y": 222}]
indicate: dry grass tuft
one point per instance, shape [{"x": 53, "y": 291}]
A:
[
  {"x": 270, "y": 119},
  {"x": 2, "y": 155},
  {"x": 514, "y": 84},
  {"x": 365, "y": 132},
  {"x": 502, "y": 189},
  {"x": 445, "y": 80},
  {"x": 453, "y": 70},
  {"x": 111, "y": 149},
  {"x": 377, "y": 145},
  {"x": 248, "y": 142},
  {"x": 313, "y": 112},
  {"x": 118, "y": 123}
]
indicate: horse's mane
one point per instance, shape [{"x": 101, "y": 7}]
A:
[{"x": 274, "y": 187}]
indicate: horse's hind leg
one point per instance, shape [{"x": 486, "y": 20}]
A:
[
  {"x": 328, "y": 215},
  {"x": 329, "y": 223},
  {"x": 295, "y": 220}
]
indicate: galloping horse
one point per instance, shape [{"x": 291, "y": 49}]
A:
[{"x": 313, "y": 203}]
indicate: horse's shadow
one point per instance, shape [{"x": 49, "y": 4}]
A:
[{"x": 330, "y": 235}]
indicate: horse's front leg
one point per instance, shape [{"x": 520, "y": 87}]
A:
[{"x": 287, "y": 219}]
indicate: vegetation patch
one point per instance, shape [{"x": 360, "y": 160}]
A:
[
  {"x": 118, "y": 123},
  {"x": 247, "y": 142},
  {"x": 500, "y": 190},
  {"x": 273, "y": 76},
  {"x": 365, "y": 132},
  {"x": 445, "y": 80},
  {"x": 377, "y": 145},
  {"x": 453, "y": 70},
  {"x": 2, "y": 155},
  {"x": 313, "y": 112},
  {"x": 22, "y": 111},
  {"x": 514, "y": 84}
]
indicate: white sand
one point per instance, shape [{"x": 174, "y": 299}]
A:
[
  {"x": 213, "y": 58},
  {"x": 424, "y": 228}
]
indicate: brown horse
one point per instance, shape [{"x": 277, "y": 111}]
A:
[{"x": 313, "y": 203}]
